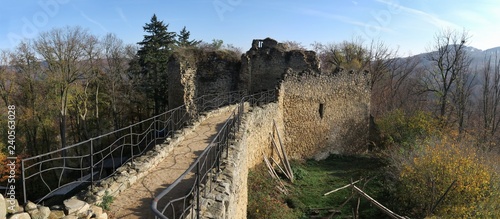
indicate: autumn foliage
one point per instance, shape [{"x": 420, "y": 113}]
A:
[
  {"x": 439, "y": 165},
  {"x": 5, "y": 169}
]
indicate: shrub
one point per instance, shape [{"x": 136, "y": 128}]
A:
[
  {"x": 426, "y": 176},
  {"x": 107, "y": 200},
  {"x": 399, "y": 129}
]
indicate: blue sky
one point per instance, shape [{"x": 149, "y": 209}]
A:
[{"x": 409, "y": 25}]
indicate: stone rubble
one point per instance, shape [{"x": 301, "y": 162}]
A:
[{"x": 72, "y": 208}]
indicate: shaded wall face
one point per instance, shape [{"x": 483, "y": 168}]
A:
[
  {"x": 194, "y": 73},
  {"x": 263, "y": 68},
  {"x": 326, "y": 114},
  {"x": 176, "y": 88},
  {"x": 216, "y": 77}
]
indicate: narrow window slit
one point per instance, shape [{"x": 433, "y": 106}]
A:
[{"x": 321, "y": 110}]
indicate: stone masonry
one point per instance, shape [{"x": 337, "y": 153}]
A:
[
  {"x": 318, "y": 115},
  {"x": 326, "y": 114},
  {"x": 193, "y": 73},
  {"x": 265, "y": 64}
]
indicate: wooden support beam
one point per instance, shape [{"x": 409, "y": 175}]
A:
[
  {"x": 377, "y": 204},
  {"x": 287, "y": 163},
  {"x": 343, "y": 187}
]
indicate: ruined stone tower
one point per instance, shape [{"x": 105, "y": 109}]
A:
[{"x": 265, "y": 64}]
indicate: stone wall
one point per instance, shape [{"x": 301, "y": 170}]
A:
[
  {"x": 325, "y": 114},
  {"x": 194, "y": 72},
  {"x": 230, "y": 197},
  {"x": 317, "y": 115},
  {"x": 263, "y": 66}
]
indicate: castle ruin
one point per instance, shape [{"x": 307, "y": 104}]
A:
[{"x": 323, "y": 113}]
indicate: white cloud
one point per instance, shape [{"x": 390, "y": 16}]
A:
[
  {"x": 422, "y": 15},
  {"x": 93, "y": 21},
  {"x": 122, "y": 15},
  {"x": 344, "y": 19}
]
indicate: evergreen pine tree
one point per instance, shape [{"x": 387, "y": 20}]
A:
[
  {"x": 183, "y": 39},
  {"x": 154, "y": 52}
]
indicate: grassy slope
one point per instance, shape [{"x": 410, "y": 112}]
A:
[{"x": 313, "y": 180}]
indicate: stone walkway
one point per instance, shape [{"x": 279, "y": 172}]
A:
[{"x": 135, "y": 202}]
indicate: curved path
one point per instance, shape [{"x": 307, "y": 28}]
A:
[{"x": 135, "y": 202}]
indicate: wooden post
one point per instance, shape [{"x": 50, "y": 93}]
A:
[
  {"x": 287, "y": 163},
  {"x": 377, "y": 204}
]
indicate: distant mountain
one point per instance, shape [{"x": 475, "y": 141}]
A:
[
  {"x": 477, "y": 55},
  {"x": 492, "y": 51}
]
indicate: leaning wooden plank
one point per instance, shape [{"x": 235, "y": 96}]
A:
[
  {"x": 269, "y": 167},
  {"x": 288, "y": 172},
  {"x": 377, "y": 204},
  {"x": 274, "y": 174},
  {"x": 273, "y": 142},
  {"x": 279, "y": 167},
  {"x": 343, "y": 187},
  {"x": 284, "y": 152}
]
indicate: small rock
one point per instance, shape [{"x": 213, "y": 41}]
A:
[
  {"x": 3, "y": 207},
  {"x": 96, "y": 210},
  {"x": 103, "y": 216},
  {"x": 70, "y": 217},
  {"x": 13, "y": 206},
  {"x": 23, "y": 215},
  {"x": 132, "y": 179},
  {"x": 57, "y": 214},
  {"x": 57, "y": 208},
  {"x": 219, "y": 198},
  {"x": 84, "y": 210},
  {"x": 75, "y": 206},
  {"x": 30, "y": 206}
]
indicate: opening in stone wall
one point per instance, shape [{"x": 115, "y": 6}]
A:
[{"x": 321, "y": 110}]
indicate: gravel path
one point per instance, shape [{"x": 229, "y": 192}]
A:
[{"x": 135, "y": 202}]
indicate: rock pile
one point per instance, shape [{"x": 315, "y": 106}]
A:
[{"x": 71, "y": 209}]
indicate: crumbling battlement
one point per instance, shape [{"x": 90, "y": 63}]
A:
[
  {"x": 193, "y": 73},
  {"x": 264, "y": 65}
]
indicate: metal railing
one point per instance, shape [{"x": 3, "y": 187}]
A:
[
  {"x": 76, "y": 166},
  {"x": 182, "y": 198}
]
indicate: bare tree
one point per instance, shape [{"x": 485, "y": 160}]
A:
[
  {"x": 63, "y": 49},
  {"x": 293, "y": 45},
  {"x": 393, "y": 89},
  {"x": 381, "y": 60},
  {"x": 449, "y": 60},
  {"x": 115, "y": 55},
  {"x": 461, "y": 94},
  {"x": 490, "y": 101}
]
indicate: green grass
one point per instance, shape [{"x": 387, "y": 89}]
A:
[{"x": 315, "y": 178}]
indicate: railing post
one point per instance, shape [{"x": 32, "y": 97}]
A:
[
  {"x": 198, "y": 185},
  {"x": 92, "y": 163},
  {"x": 172, "y": 122},
  {"x": 218, "y": 151},
  {"x": 131, "y": 146},
  {"x": 155, "y": 131},
  {"x": 24, "y": 181}
]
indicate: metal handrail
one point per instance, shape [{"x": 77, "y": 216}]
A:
[
  {"x": 202, "y": 174},
  {"x": 98, "y": 158}
]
